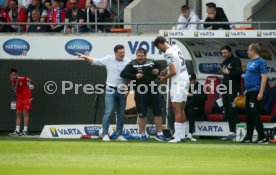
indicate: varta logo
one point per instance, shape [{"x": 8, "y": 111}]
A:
[
  {"x": 69, "y": 131},
  {"x": 176, "y": 34},
  {"x": 197, "y": 53},
  {"x": 54, "y": 132},
  {"x": 269, "y": 34},
  {"x": 200, "y": 33},
  {"x": 234, "y": 33},
  {"x": 209, "y": 128}
]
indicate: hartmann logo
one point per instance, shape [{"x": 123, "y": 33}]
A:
[
  {"x": 16, "y": 47},
  {"x": 78, "y": 45}
]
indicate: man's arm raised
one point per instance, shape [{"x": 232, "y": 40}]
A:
[{"x": 86, "y": 58}]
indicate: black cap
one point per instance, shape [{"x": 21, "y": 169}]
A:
[{"x": 192, "y": 76}]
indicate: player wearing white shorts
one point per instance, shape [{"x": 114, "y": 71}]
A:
[{"x": 179, "y": 84}]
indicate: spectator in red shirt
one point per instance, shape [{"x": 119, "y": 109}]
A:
[
  {"x": 22, "y": 91},
  {"x": 56, "y": 15},
  {"x": 16, "y": 14}
]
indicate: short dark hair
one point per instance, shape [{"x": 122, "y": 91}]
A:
[
  {"x": 13, "y": 70},
  {"x": 226, "y": 47},
  {"x": 256, "y": 48},
  {"x": 141, "y": 50},
  {"x": 185, "y": 7},
  {"x": 159, "y": 40},
  {"x": 211, "y": 5},
  {"x": 117, "y": 47}
]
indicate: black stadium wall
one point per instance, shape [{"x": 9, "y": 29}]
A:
[{"x": 69, "y": 108}]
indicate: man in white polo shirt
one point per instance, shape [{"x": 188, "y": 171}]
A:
[{"x": 115, "y": 88}]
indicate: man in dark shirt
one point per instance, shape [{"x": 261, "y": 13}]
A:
[
  {"x": 35, "y": 17},
  {"x": 145, "y": 71},
  {"x": 231, "y": 70},
  {"x": 75, "y": 15},
  {"x": 215, "y": 14},
  {"x": 195, "y": 104}
]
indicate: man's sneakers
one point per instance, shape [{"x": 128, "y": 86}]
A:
[
  {"x": 121, "y": 138},
  {"x": 161, "y": 138},
  {"x": 24, "y": 133},
  {"x": 106, "y": 138},
  {"x": 175, "y": 140},
  {"x": 263, "y": 141},
  {"x": 14, "y": 133},
  {"x": 191, "y": 138}
]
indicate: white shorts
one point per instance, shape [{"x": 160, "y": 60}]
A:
[{"x": 179, "y": 91}]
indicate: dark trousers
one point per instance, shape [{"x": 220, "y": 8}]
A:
[
  {"x": 230, "y": 110},
  {"x": 253, "y": 108},
  {"x": 194, "y": 114}
]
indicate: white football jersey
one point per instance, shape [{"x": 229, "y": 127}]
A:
[{"x": 174, "y": 55}]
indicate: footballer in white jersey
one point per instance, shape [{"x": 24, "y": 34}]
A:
[
  {"x": 179, "y": 84},
  {"x": 174, "y": 55}
]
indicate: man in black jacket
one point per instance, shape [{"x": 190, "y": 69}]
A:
[
  {"x": 145, "y": 71},
  {"x": 215, "y": 14},
  {"x": 195, "y": 105},
  {"x": 231, "y": 70}
]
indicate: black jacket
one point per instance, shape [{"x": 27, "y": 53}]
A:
[
  {"x": 146, "y": 68},
  {"x": 220, "y": 17},
  {"x": 197, "y": 101},
  {"x": 234, "y": 66}
]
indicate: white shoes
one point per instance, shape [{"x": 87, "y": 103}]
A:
[
  {"x": 190, "y": 137},
  {"x": 175, "y": 140},
  {"x": 106, "y": 138},
  {"x": 121, "y": 138}
]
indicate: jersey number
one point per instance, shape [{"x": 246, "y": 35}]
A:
[{"x": 181, "y": 57}]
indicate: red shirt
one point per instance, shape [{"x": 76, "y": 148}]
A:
[
  {"x": 21, "y": 17},
  {"x": 56, "y": 15},
  {"x": 22, "y": 89}
]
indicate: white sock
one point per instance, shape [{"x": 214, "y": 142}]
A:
[
  {"x": 25, "y": 128},
  {"x": 17, "y": 128},
  {"x": 232, "y": 133},
  {"x": 183, "y": 131},
  {"x": 160, "y": 133},
  {"x": 178, "y": 130}
]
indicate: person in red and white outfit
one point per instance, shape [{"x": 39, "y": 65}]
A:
[
  {"x": 16, "y": 13},
  {"x": 22, "y": 87},
  {"x": 56, "y": 15}
]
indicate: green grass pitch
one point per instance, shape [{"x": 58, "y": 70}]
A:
[{"x": 20, "y": 156}]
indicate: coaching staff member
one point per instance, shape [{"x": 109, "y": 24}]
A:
[
  {"x": 231, "y": 70},
  {"x": 255, "y": 81},
  {"x": 144, "y": 71}
]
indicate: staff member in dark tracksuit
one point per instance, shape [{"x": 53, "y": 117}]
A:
[
  {"x": 255, "y": 80},
  {"x": 195, "y": 104},
  {"x": 231, "y": 70},
  {"x": 145, "y": 71}
]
